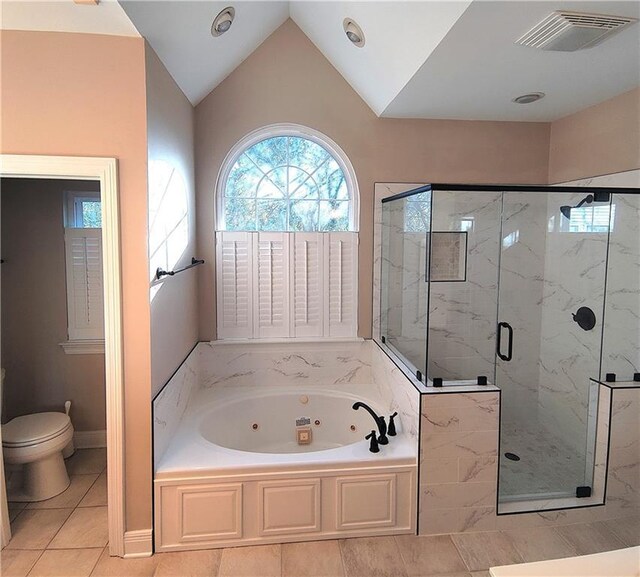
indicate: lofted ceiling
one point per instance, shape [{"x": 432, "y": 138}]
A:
[{"x": 421, "y": 59}]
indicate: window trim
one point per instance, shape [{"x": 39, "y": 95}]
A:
[
  {"x": 71, "y": 200},
  {"x": 287, "y": 129}
]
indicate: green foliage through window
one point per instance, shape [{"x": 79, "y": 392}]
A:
[{"x": 286, "y": 183}]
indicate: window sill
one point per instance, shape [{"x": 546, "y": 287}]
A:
[{"x": 84, "y": 347}]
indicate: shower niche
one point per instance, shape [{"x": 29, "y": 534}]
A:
[{"x": 512, "y": 286}]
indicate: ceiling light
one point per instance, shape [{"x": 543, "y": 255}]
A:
[
  {"x": 222, "y": 22},
  {"x": 354, "y": 32},
  {"x": 528, "y": 98}
]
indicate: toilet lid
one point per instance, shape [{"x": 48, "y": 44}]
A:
[{"x": 36, "y": 428}]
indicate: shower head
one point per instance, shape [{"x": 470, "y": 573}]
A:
[{"x": 566, "y": 210}]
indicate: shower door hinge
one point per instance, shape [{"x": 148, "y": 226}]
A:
[{"x": 583, "y": 491}]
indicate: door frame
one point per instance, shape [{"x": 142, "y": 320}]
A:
[{"x": 104, "y": 170}]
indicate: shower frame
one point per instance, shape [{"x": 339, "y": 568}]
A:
[{"x": 597, "y": 192}]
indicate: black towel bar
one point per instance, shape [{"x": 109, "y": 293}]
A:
[{"x": 194, "y": 262}]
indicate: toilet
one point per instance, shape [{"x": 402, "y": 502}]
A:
[{"x": 36, "y": 442}]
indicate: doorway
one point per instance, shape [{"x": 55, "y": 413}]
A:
[{"x": 102, "y": 171}]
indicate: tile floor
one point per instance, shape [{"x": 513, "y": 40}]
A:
[{"x": 67, "y": 537}]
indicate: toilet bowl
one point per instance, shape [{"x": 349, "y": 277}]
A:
[{"x": 36, "y": 441}]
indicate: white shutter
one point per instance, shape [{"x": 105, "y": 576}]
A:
[
  {"x": 271, "y": 270},
  {"x": 307, "y": 255},
  {"x": 234, "y": 252},
  {"x": 85, "y": 299},
  {"x": 341, "y": 284}
]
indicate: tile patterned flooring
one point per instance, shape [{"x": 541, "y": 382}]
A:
[{"x": 67, "y": 537}]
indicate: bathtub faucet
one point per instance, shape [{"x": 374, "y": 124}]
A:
[{"x": 380, "y": 422}]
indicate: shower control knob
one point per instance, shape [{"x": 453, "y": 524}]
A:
[{"x": 585, "y": 318}]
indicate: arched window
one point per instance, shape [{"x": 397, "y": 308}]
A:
[{"x": 287, "y": 178}]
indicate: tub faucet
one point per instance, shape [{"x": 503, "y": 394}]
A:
[{"x": 380, "y": 422}]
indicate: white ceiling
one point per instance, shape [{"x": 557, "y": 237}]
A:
[
  {"x": 180, "y": 33},
  {"x": 399, "y": 35},
  {"x": 108, "y": 17},
  {"x": 422, "y": 59},
  {"x": 477, "y": 69}
]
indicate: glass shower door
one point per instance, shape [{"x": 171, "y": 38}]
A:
[{"x": 550, "y": 312}]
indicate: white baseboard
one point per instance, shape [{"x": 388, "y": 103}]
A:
[
  {"x": 138, "y": 543},
  {"x": 90, "y": 439}
]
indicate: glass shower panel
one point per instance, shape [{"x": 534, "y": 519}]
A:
[
  {"x": 463, "y": 284},
  {"x": 403, "y": 318},
  {"x": 551, "y": 304}
]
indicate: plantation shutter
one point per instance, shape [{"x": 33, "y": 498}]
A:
[
  {"x": 234, "y": 252},
  {"x": 307, "y": 254},
  {"x": 341, "y": 284},
  {"x": 85, "y": 300},
  {"x": 271, "y": 294}
]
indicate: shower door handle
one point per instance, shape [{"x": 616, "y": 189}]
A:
[{"x": 509, "y": 354}]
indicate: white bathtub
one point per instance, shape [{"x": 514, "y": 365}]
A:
[
  {"x": 227, "y": 429},
  {"x": 229, "y": 470}
]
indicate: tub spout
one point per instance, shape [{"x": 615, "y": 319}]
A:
[{"x": 380, "y": 422}]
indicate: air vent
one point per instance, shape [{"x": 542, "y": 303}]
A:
[{"x": 570, "y": 31}]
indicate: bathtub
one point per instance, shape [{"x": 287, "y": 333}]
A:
[{"x": 233, "y": 472}]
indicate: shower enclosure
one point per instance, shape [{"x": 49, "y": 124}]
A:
[{"x": 506, "y": 285}]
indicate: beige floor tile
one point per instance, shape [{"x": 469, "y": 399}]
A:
[
  {"x": 429, "y": 555},
  {"x": 312, "y": 559},
  {"x": 66, "y": 563},
  {"x": 69, "y": 498},
  {"x": 118, "y": 567},
  {"x": 627, "y": 530},
  {"x": 14, "y": 509},
  {"x": 540, "y": 544},
  {"x": 97, "y": 494},
  {"x": 85, "y": 528},
  {"x": 480, "y": 574},
  {"x": 188, "y": 564},
  {"x": 34, "y": 529},
  {"x": 15, "y": 563},
  {"x": 590, "y": 538},
  {"x": 87, "y": 461},
  {"x": 260, "y": 561},
  {"x": 480, "y": 551},
  {"x": 372, "y": 557}
]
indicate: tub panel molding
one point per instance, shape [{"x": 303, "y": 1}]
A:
[
  {"x": 365, "y": 502},
  {"x": 280, "y": 507},
  {"x": 289, "y": 507}
]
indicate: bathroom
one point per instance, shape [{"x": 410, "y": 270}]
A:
[{"x": 294, "y": 309}]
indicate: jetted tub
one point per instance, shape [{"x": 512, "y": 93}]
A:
[{"x": 229, "y": 470}]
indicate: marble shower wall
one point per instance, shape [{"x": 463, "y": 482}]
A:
[{"x": 462, "y": 315}]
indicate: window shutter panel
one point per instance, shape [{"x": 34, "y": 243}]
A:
[
  {"x": 271, "y": 270},
  {"x": 234, "y": 284},
  {"x": 341, "y": 284},
  {"x": 85, "y": 298},
  {"x": 308, "y": 281}
]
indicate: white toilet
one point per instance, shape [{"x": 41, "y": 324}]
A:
[{"x": 36, "y": 442}]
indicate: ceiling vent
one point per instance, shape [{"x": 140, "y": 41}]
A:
[{"x": 568, "y": 31}]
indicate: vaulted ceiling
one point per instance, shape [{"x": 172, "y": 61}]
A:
[{"x": 421, "y": 59}]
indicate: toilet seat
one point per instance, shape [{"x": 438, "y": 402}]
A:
[{"x": 29, "y": 430}]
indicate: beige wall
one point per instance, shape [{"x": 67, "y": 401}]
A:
[
  {"x": 84, "y": 95},
  {"x": 288, "y": 80},
  {"x": 40, "y": 376},
  {"x": 174, "y": 314},
  {"x": 602, "y": 139}
]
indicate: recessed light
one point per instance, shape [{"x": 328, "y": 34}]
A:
[
  {"x": 354, "y": 32},
  {"x": 528, "y": 98},
  {"x": 222, "y": 22}
]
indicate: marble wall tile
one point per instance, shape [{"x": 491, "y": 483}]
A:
[
  {"x": 170, "y": 404},
  {"x": 296, "y": 364}
]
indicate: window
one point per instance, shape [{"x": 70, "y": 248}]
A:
[
  {"x": 286, "y": 246},
  {"x": 83, "y": 260}
]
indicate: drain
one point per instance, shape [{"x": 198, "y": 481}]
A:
[{"x": 512, "y": 456}]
